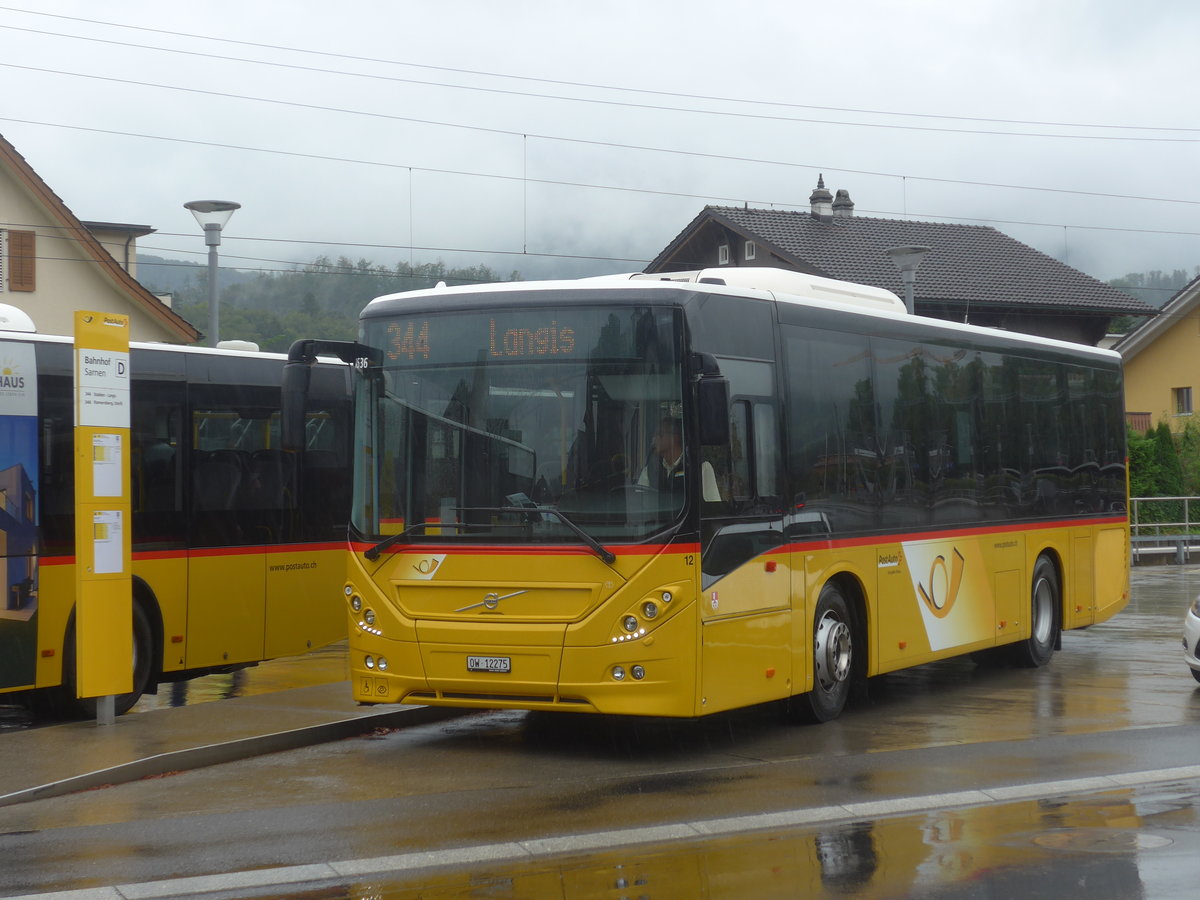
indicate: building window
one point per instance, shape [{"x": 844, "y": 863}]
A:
[
  {"x": 750, "y": 249},
  {"x": 1182, "y": 398},
  {"x": 19, "y": 270},
  {"x": 723, "y": 255}
]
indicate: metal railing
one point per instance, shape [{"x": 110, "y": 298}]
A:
[
  {"x": 1164, "y": 515},
  {"x": 1159, "y": 525}
]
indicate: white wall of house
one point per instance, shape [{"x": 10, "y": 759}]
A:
[{"x": 67, "y": 276}]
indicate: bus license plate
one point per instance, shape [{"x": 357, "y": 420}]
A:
[{"x": 489, "y": 664}]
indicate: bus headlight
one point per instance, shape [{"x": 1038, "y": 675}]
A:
[
  {"x": 618, "y": 673},
  {"x": 356, "y": 603},
  {"x": 638, "y": 672},
  {"x": 650, "y": 609},
  {"x": 369, "y": 617},
  {"x": 383, "y": 664},
  {"x": 630, "y": 624},
  {"x": 369, "y": 662}
]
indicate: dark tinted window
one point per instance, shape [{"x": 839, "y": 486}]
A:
[
  {"x": 834, "y": 452},
  {"x": 906, "y": 434},
  {"x": 732, "y": 326}
]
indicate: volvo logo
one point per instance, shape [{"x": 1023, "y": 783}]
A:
[{"x": 491, "y": 600}]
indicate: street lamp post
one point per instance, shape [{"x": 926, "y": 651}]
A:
[
  {"x": 907, "y": 259},
  {"x": 212, "y": 216}
]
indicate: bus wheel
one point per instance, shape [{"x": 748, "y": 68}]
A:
[
  {"x": 1045, "y": 602},
  {"x": 833, "y": 659},
  {"x": 143, "y": 662}
]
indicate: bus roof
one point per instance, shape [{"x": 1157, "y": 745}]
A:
[
  {"x": 780, "y": 285},
  {"x": 245, "y": 351}
]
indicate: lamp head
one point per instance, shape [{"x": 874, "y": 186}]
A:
[
  {"x": 907, "y": 258},
  {"x": 212, "y": 213}
]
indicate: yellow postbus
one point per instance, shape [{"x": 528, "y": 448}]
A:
[
  {"x": 237, "y": 546},
  {"x": 676, "y": 496}
]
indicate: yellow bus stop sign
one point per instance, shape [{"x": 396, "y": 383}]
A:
[{"x": 103, "y": 582}]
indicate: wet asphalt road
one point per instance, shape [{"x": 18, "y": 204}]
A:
[{"x": 1117, "y": 699}]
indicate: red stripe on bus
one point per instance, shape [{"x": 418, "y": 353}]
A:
[
  {"x": 943, "y": 534},
  {"x": 260, "y": 549},
  {"x": 527, "y": 550}
]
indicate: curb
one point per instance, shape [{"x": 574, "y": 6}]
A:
[{"x": 231, "y": 751}]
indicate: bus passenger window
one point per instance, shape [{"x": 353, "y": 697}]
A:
[
  {"x": 766, "y": 451},
  {"x": 740, "y": 449}
]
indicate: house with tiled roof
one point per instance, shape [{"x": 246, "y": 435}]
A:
[
  {"x": 971, "y": 273},
  {"x": 1161, "y": 374},
  {"x": 52, "y": 263}
]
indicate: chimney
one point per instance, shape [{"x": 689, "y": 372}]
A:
[
  {"x": 822, "y": 201},
  {"x": 843, "y": 206}
]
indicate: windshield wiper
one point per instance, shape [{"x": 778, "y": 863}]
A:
[
  {"x": 373, "y": 552},
  {"x": 601, "y": 551}
]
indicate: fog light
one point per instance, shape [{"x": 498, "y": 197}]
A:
[
  {"x": 370, "y": 661},
  {"x": 618, "y": 673},
  {"x": 630, "y": 623},
  {"x": 649, "y": 609},
  {"x": 356, "y": 603},
  {"x": 383, "y": 665},
  {"x": 637, "y": 672},
  {"x": 369, "y": 617}
]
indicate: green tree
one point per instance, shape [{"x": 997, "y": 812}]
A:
[
  {"x": 1166, "y": 455},
  {"x": 321, "y": 299},
  {"x": 1144, "y": 469}
]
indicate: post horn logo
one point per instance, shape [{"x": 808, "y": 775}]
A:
[
  {"x": 427, "y": 566},
  {"x": 940, "y": 603}
]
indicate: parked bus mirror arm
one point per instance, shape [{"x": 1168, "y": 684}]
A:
[
  {"x": 294, "y": 387},
  {"x": 712, "y": 399},
  {"x": 712, "y": 402}
]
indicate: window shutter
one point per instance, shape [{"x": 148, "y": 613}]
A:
[{"x": 21, "y": 257}]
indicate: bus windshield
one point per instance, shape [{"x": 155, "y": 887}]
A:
[{"x": 544, "y": 425}]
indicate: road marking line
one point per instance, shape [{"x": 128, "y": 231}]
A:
[{"x": 606, "y": 840}]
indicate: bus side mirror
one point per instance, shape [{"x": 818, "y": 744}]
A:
[
  {"x": 293, "y": 402},
  {"x": 712, "y": 402}
]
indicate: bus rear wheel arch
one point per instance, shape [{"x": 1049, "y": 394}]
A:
[{"x": 1045, "y": 616}]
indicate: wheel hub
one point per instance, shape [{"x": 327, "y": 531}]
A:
[{"x": 832, "y": 651}]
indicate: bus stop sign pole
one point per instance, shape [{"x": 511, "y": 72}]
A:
[{"x": 103, "y": 580}]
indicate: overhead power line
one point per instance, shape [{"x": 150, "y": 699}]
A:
[
  {"x": 649, "y": 191},
  {"x": 643, "y": 106},
  {"x": 538, "y": 80}
]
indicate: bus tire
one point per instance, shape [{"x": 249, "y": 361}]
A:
[
  {"x": 833, "y": 659},
  {"x": 1045, "y": 601},
  {"x": 143, "y": 664}
]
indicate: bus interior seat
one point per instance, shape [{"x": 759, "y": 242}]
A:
[
  {"x": 274, "y": 476},
  {"x": 217, "y": 480},
  {"x": 158, "y": 476}
]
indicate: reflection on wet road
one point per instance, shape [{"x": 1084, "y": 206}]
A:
[
  {"x": 1120, "y": 845},
  {"x": 323, "y": 666}
]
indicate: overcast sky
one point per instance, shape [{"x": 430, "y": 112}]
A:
[{"x": 515, "y": 133}]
